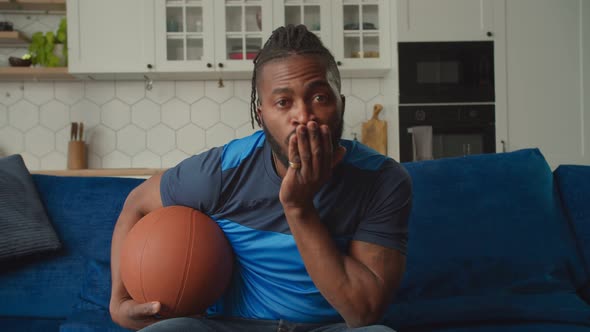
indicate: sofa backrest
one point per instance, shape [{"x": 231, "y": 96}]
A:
[
  {"x": 573, "y": 182},
  {"x": 488, "y": 240},
  {"x": 83, "y": 212}
]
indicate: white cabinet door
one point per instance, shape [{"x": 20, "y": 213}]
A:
[
  {"x": 547, "y": 45},
  {"x": 362, "y": 39},
  {"x": 184, "y": 36},
  {"x": 445, "y": 20},
  {"x": 110, "y": 36},
  {"x": 357, "y": 32},
  {"x": 315, "y": 15},
  {"x": 241, "y": 28}
]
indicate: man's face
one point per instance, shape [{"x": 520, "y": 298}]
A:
[{"x": 293, "y": 91}]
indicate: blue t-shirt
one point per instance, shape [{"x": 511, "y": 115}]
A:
[{"x": 367, "y": 199}]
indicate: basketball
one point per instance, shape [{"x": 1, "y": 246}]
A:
[{"x": 177, "y": 256}]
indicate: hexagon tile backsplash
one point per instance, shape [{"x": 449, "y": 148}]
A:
[{"x": 127, "y": 126}]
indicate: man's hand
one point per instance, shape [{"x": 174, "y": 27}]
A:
[
  {"x": 312, "y": 148},
  {"x": 133, "y": 315}
]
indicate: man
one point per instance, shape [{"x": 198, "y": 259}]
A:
[{"x": 318, "y": 225}]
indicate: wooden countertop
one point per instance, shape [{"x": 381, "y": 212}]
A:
[{"x": 127, "y": 172}]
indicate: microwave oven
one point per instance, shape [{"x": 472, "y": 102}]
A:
[{"x": 446, "y": 72}]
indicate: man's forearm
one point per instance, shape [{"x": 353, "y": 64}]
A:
[{"x": 347, "y": 284}]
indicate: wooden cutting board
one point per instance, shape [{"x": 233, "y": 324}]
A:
[{"x": 374, "y": 132}]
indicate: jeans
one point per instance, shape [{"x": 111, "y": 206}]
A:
[{"x": 185, "y": 324}]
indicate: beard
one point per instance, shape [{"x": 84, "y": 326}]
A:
[{"x": 283, "y": 156}]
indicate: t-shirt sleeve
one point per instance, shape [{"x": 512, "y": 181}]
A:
[
  {"x": 195, "y": 182},
  {"x": 386, "y": 220}
]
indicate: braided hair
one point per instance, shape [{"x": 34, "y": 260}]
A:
[{"x": 284, "y": 42}]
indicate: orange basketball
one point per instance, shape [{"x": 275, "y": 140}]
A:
[{"x": 177, "y": 256}]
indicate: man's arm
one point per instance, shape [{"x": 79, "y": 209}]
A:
[
  {"x": 124, "y": 311},
  {"x": 359, "y": 285}
]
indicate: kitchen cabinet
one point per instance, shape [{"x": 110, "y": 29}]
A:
[
  {"x": 207, "y": 39},
  {"x": 547, "y": 66},
  {"x": 210, "y": 36},
  {"x": 315, "y": 15},
  {"x": 445, "y": 20},
  {"x": 169, "y": 39},
  {"x": 357, "y": 32},
  {"x": 110, "y": 36},
  {"x": 184, "y": 35}
]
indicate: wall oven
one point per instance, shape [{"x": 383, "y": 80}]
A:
[
  {"x": 441, "y": 131},
  {"x": 446, "y": 99}
]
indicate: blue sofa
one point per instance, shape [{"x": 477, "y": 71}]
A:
[{"x": 497, "y": 242}]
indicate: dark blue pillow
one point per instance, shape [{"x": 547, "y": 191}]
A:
[
  {"x": 25, "y": 228},
  {"x": 488, "y": 240}
]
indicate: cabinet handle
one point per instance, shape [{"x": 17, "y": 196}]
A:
[
  {"x": 209, "y": 65},
  {"x": 220, "y": 65},
  {"x": 150, "y": 66},
  {"x": 490, "y": 34},
  {"x": 339, "y": 63}
]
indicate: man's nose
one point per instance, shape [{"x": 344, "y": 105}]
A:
[{"x": 302, "y": 113}]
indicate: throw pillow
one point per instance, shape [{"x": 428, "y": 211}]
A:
[{"x": 25, "y": 228}]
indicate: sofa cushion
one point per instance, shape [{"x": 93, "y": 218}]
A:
[
  {"x": 25, "y": 228},
  {"x": 506, "y": 327},
  {"x": 83, "y": 212},
  {"x": 87, "y": 210},
  {"x": 29, "y": 324},
  {"x": 96, "y": 286},
  {"x": 487, "y": 230},
  {"x": 574, "y": 187}
]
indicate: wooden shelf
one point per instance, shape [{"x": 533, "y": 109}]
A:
[
  {"x": 35, "y": 73},
  {"x": 13, "y": 39},
  {"x": 126, "y": 172},
  {"x": 33, "y": 5}
]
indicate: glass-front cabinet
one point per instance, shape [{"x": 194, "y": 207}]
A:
[
  {"x": 314, "y": 14},
  {"x": 355, "y": 31},
  {"x": 241, "y": 28},
  {"x": 363, "y": 32},
  {"x": 184, "y": 35},
  {"x": 210, "y": 35}
]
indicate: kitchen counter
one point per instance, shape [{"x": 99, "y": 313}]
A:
[{"x": 126, "y": 172}]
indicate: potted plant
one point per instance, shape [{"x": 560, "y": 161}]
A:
[
  {"x": 43, "y": 48},
  {"x": 61, "y": 36}
]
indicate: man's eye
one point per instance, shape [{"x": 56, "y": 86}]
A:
[
  {"x": 282, "y": 103},
  {"x": 320, "y": 98}
]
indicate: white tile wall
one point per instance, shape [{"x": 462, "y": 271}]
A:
[{"x": 127, "y": 126}]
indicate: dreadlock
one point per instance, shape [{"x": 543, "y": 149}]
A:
[{"x": 284, "y": 42}]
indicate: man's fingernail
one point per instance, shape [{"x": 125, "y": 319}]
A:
[{"x": 154, "y": 306}]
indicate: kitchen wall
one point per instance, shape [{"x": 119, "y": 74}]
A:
[{"x": 129, "y": 126}]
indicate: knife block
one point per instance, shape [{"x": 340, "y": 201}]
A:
[{"x": 77, "y": 158}]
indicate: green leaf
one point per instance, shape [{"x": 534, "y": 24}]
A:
[{"x": 62, "y": 31}]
